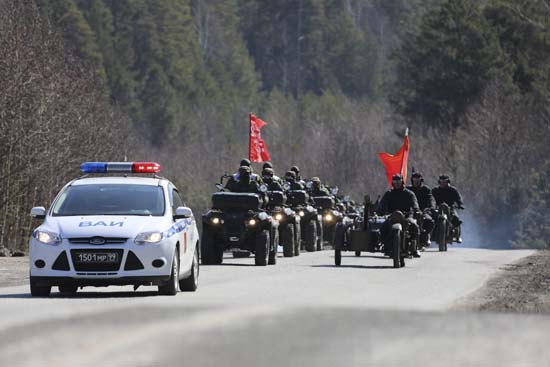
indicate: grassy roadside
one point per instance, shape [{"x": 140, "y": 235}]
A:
[{"x": 522, "y": 287}]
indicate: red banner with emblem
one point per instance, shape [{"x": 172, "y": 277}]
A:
[
  {"x": 257, "y": 150},
  {"x": 397, "y": 163}
]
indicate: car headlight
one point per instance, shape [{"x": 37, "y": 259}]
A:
[
  {"x": 329, "y": 217},
  {"x": 279, "y": 216},
  {"x": 47, "y": 238},
  {"x": 148, "y": 237},
  {"x": 252, "y": 222},
  {"x": 301, "y": 213}
]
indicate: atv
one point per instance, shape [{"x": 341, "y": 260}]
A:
[
  {"x": 238, "y": 221},
  {"x": 310, "y": 220},
  {"x": 330, "y": 216},
  {"x": 289, "y": 223}
]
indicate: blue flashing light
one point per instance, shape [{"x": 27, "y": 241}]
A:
[{"x": 93, "y": 167}]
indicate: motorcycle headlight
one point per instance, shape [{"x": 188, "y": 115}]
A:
[
  {"x": 47, "y": 238},
  {"x": 148, "y": 237},
  {"x": 301, "y": 213},
  {"x": 252, "y": 222},
  {"x": 329, "y": 217},
  {"x": 215, "y": 220},
  {"x": 279, "y": 216}
]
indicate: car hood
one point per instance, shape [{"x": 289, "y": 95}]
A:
[{"x": 104, "y": 226}]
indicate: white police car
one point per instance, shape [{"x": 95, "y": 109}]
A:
[{"x": 115, "y": 230}]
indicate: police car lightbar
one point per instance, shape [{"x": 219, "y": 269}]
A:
[{"x": 120, "y": 167}]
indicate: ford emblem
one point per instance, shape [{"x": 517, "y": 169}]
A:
[{"x": 97, "y": 241}]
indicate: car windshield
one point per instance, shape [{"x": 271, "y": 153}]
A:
[{"x": 110, "y": 199}]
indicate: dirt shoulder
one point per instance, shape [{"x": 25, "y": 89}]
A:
[
  {"x": 14, "y": 271},
  {"x": 522, "y": 287}
]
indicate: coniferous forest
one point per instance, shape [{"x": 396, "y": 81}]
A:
[{"x": 337, "y": 81}]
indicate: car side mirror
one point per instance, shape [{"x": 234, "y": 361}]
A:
[
  {"x": 219, "y": 187},
  {"x": 38, "y": 212},
  {"x": 183, "y": 212}
]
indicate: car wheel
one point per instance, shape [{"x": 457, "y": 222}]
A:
[
  {"x": 172, "y": 286},
  {"x": 261, "y": 246},
  {"x": 40, "y": 290},
  {"x": 191, "y": 283}
]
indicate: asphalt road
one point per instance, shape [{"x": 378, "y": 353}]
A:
[{"x": 302, "y": 312}]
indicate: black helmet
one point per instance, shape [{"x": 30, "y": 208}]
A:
[
  {"x": 418, "y": 175},
  {"x": 295, "y": 169},
  {"x": 444, "y": 178},
  {"x": 267, "y": 165},
  {"x": 397, "y": 177},
  {"x": 290, "y": 174},
  {"x": 267, "y": 172},
  {"x": 245, "y": 162},
  {"x": 244, "y": 170}
]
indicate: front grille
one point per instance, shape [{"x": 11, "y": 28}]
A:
[
  {"x": 97, "y": 240},
  {"x": 108, "y": 266}
]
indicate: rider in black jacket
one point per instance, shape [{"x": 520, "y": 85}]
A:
[
  {"x": 402, "y": 199},
  {"x": 426, "y": 202},
  {"x": 445, "y": 193}
]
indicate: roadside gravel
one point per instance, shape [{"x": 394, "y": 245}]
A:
[
  {"x": 522, "y": 287},
  {"x": 14, "y": 271}
]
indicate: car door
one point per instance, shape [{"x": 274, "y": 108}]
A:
[{"x": 186, "y": 236}]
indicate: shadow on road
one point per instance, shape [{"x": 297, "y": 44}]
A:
[
  {"x": 85, "y": 294},
  {"x": 354, "y": 266}
]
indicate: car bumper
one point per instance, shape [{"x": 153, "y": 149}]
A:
[
  {"x": 146, "y": 254},
  {"x": 99, "y": 282}
]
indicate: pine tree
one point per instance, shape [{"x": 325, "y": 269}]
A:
[{"x": 447, "y": 65}]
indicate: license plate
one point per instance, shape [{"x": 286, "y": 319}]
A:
[{"x": 97, "y": 257}]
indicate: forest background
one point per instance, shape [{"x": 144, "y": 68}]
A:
[{"x": 338, "y": 81}]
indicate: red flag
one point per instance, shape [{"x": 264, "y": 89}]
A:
[
  {"x": 257, "y": 150},
  {"x": 397, "y": 163}
]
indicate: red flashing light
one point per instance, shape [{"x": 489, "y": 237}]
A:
[{"x": 145, "y": 167}]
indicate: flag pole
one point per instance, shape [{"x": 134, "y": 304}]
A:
[
  {"x": 249, "y": 136},
  {"x": 403, "y": 157}
]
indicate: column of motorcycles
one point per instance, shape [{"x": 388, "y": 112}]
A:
[{"x": 258, "y": 223}]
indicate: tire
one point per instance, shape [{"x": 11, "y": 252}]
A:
[
  {"x": 337, "y": 257},
  {"x": 288, "y": 237},
  {"x": 191, "y": 283},
  {"x": 320, "y": 237},
  {"x": 261, "y": 246},
  {"x": 68, "y": 289},
  {"x": 210, "y": 253},
  {"x": 171, "y": 287},
  {"x": 396, "y": 248},
  {"x": 310, "y": 236},
  {"x": 358, "y": 253},
  {"x": 297, "y": 239},
  {"x": 339, "y": 236},
  {"x": 273, "y": 244},
  {"x": 40, "y": 290},
  {"x": 443, "y": 237}
]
